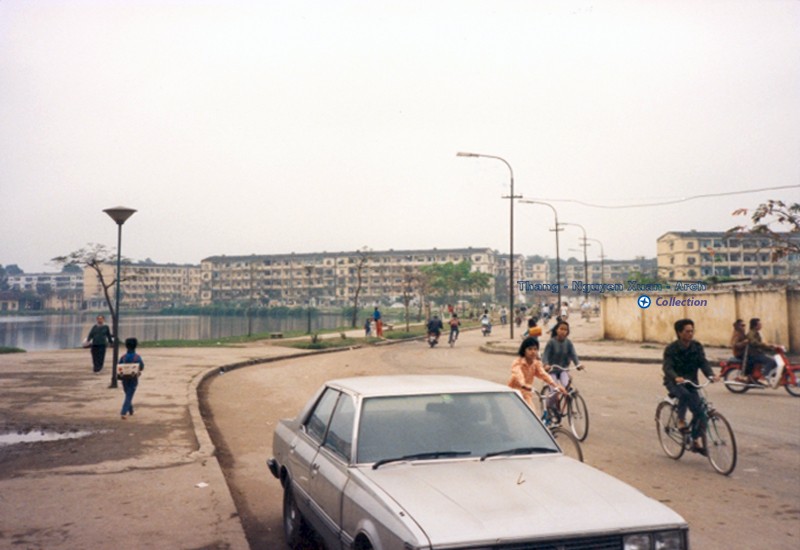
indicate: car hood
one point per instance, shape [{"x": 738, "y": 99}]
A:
[{"x": 513, "y": 498}]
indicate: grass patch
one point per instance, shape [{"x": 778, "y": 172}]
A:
[{"x": 6, "y": 349}]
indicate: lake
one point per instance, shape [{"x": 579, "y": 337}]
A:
[{"x": 43, "y": 332}]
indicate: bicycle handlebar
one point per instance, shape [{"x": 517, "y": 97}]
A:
[
  {"x": 698, "y": 386},
  {"x": 579, "y": 367}
]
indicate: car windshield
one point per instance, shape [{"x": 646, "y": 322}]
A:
[{"x": 448, "y": 424}]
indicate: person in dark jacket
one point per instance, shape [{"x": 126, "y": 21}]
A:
[
  {"x": 682, "y": 359},
  {"x": 99, "y": 337},
  {"x": 130, "y": 381}
]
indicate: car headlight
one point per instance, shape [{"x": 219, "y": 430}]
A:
[{"x": 660, "y": 540}]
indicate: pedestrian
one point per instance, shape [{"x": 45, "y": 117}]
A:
[
  {"x": 128, "y": 373},
  {"x": 376, "y": 315},
  {"x": 367, "y": 327},
  {"x": 99, "y": 337},
  {"x": 503, "y": 316}
]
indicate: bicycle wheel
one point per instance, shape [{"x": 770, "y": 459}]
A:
[
  {"x": 669, "y": 436},
  {"x": 733, "y": 376},
  {"x": 578, "y": 416},
  {"x": 569, "y": 443},
  {"x": 720, "y": 444}
]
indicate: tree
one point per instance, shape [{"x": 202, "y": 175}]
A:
[
  {"x": 763, "y": 222},
  {"x": 449, "y": 281},
  {"x": 362, "y": 258},
  {"x": 94, "y": 256}
]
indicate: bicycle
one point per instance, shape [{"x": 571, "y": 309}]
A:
[
  {"x": 719, "y": 443},
  {"x": 453, "y": 337},
  {"x": 572, "y": 405},
  {"x": 569, "y": 443}
]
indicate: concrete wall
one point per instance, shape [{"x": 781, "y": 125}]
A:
[{"x": 778, "y": 309}]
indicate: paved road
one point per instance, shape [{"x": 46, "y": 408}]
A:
[{"x": 757, "y": 507}]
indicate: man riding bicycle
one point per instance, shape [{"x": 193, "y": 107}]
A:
[
  {"x": 682, "y": 359},
  {"x": 454, "y": 324}
]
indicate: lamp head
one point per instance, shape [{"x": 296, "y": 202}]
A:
[{"x": 119, "y": 214}]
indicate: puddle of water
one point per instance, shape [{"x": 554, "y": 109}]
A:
[{"x": 37, "y": 436}]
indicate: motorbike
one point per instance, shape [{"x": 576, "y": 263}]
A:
[
  {"x": 785, "y": 374},
  {"x": 486, "y": 329},
  {"x": 433, "y": 339}
]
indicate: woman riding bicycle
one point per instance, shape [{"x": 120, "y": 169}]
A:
[
  {"x": 558, "y": 354},
  {"x": 527, "y": 367}
]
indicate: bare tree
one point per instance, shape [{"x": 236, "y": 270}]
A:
[
  {"x": 94, "y": 256},
  {"x": 363, "y": 257},
  {"x": 763, "y": 221}
]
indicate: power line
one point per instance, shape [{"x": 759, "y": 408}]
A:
[{"x": 674, "y": 201}]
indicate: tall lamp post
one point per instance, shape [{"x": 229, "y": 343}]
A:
[
  {"x": 602, "y": 261},
  {"x": 511, "y": 198},
  {"x": 556, "y": 230},
  {"x": 585, "y": 244},
  {"x": 120, "y": 214}
]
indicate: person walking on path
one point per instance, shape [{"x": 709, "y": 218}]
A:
[
  {"x": 99, "y": 337},
  {"x": 378, "y": 323},
  {"x": 129, "y": 374}
]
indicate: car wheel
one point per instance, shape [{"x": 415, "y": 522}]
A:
[{"x": 295, "y": 529}]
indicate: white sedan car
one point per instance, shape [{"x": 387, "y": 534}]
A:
[{"x": 448, "y": 462}]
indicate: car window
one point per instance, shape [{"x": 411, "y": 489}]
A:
[
  {"x": 478, "y": 423},
  {"x": 340, "y": 432},
  {"x": 317, "y": 422}
]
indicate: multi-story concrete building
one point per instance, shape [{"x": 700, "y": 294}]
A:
[
  {"x": 704, "y": 254},
  {"x": 44, "y": 283},
  {"x": 329, "y": 279},
  {"x": 145, "y": 285},
  {"x": 538, "y": 270}
]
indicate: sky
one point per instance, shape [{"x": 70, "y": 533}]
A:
[{"x": 268, "y": 127}]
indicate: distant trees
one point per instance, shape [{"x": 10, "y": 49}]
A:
[{"x": 451, "y": 281}]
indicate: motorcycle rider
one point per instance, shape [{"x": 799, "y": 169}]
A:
[
  {"x": 435, "y": 327},
  {"x": 486, "y": 323},
  {"x": 758, "y": 349}
]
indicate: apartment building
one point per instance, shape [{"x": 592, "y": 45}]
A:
[
  {"x": 145, "y": 285},
  {"x": 607, "y": 271},
  {"x": 328, "y": 279},
  {"x": 45, "y": 283},
  {"x": 703, "y": 254}
]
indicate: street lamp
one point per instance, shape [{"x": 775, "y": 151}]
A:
[
  {"x": 585, "y": 244},
  {"x": 511, "y": 198},
  {"x": 556, "y": 230},
  {"x": 120, "y": 214},
  {"x": 602, "y": 261}
]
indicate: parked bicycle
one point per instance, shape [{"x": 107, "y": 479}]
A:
[
  {"x": 568, "y": 442},
  {"x": 785, "y": 374},
  {"x": 570, "y": 405},
  {"x": 719, "y": 443}
]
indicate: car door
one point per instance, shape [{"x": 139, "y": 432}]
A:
[
  {"x": 303, "y": 452},
  {"x": 329, "y": 470}
]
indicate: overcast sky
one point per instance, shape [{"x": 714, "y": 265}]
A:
[{"x": 302, "y": 126}]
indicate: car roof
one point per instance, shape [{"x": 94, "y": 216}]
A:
[{"x": 414, "y": 384}]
